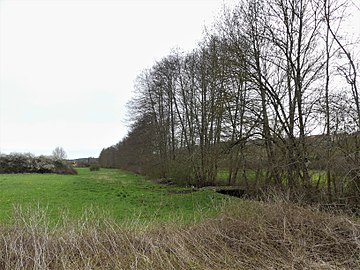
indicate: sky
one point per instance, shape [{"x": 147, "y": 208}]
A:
[{"x": 67, "y": 67}]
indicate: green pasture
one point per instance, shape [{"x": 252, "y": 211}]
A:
[{"x": 116, "y": 194}]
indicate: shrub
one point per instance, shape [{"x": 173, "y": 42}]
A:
[
  {"x": 28, "y": 163},
  {"x": 180, "y": 172},
  {"x": 94, "y": 167}
]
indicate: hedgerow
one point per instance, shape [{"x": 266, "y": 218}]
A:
[{"x": 28, "y": 163}]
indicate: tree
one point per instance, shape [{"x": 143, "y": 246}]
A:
[
  {"x": 251, "y": 97},
  {"x": 59, "y": 153}
]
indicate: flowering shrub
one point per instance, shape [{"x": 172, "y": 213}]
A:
[{"x": 28, "y": 163}]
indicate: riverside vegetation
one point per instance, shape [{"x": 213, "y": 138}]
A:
[
  {"x": 272, "y": 89},
  {"x": 111, "y": 219}
]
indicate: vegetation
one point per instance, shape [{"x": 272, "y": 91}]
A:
[
  {"x": 250, "y": 235},
  {"x": 111, "y": 219},
  {"x": 59, "y": 153},
  {"x": 117, "y": 194},
  {"x": 94, "y": 167},
  {"x": 272, "y": 88},
  {"x": 269, "y": 100},
  {"x": 28, "y": 163}
]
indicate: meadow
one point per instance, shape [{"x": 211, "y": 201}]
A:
[
  {"x": 110, "y": 193},
  {"x": 112, "y": 219}
]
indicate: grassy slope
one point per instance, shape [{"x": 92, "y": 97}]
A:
[{"x": 119, "y": 194}]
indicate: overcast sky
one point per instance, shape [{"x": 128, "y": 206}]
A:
[{"x": 67, "y": 68}]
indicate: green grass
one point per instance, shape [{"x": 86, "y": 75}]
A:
[
  {"x": 222, "y": 177},
  {"x": 114, "y": 193},
  {"x": 223, "y": 174}
]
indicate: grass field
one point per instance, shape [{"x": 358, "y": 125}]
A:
[
  {"x": 112, "y": 219},
  {"x": 112, "y": 193}
]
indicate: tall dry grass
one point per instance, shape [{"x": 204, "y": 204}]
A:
[{"x": 252, "y": 235}]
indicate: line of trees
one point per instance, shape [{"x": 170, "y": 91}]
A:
[{"x": 271, "y": 91}]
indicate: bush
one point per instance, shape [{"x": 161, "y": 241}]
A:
[
  {"x": 180, "y": 172},
  {"x": 28, "y": 163},
  {"x": 94, "y": 167}
]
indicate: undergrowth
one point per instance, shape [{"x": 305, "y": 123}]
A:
[{"x": 249, "y": 235}]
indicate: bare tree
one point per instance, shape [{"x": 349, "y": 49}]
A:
[
  {"x": 59, "y": 153},
  {"x": 250, "y": 97}
]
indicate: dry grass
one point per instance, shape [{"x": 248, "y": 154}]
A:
[{"x": 253, "y": 235}]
